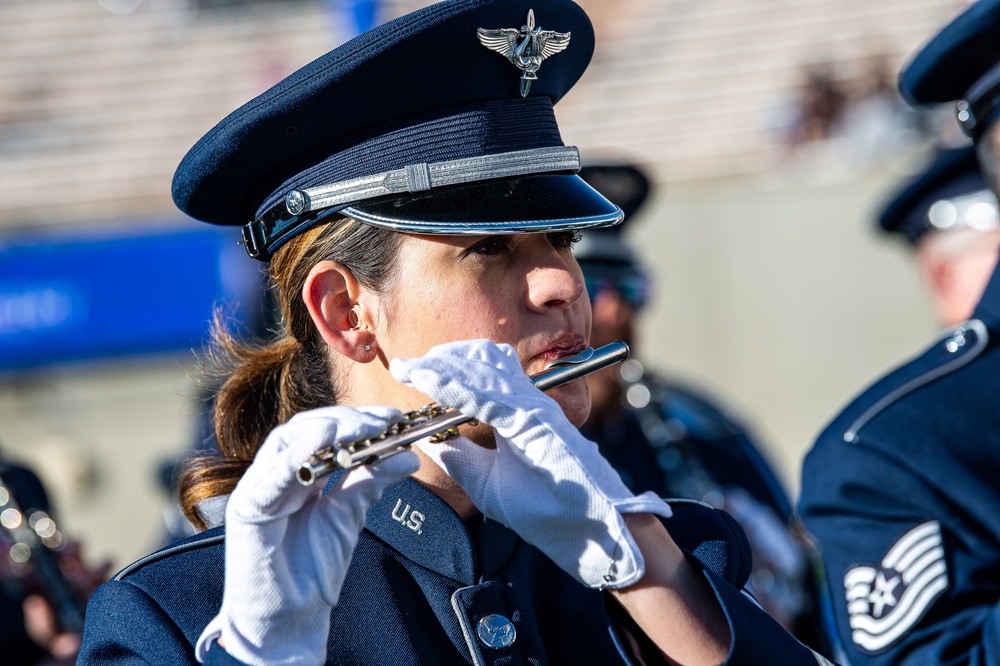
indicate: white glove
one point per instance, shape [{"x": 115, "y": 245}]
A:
[
  {"x": 288, "y": 546},
  {"x": 544, "y": 480}
]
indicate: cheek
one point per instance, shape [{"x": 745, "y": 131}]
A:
[
  {"x": 470, "y": 314},
  {"x": 574, "y": 398}
]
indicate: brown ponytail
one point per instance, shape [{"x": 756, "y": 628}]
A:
[{"x": 262, "y": 386}]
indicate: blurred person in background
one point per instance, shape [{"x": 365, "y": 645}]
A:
[
  {"x": 948, "y": 215},
  {"x": 44, "y": 582},
  {"x": 900, "y": 491},
  {"x": 663, "y": 435}
]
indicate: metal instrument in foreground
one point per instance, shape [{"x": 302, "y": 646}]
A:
[{"x": 440, "y": 423}]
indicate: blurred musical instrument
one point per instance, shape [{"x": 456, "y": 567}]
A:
[{"x": 35, "y": 544}]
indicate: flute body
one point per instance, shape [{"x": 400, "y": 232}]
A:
[{"x": 439, "y": 423}]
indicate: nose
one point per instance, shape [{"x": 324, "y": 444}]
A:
[{"x": 555, "y": 283}]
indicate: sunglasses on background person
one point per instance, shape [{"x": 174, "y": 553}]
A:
[{"x": 633, "y": 289}]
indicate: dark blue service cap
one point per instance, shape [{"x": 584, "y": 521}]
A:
[
  {"x": 961, "y": 63},
  {"x": 438, "y": 122},
  {"x": 951, "y": 193}
]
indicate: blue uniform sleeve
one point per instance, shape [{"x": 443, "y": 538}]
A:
[
  {"x": 756, "y": 638},
  {"x": 913, "y": 575},
  {"x": 716, "y": 546}
]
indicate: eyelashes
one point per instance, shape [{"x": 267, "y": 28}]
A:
[{"x": 502, "y": 245}]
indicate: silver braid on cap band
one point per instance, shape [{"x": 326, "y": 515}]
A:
[
  {"x": 423, "y": 176},
  {"x": 285, "y": 215}
]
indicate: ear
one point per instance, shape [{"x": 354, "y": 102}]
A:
[{"x": 331, "y": 293}]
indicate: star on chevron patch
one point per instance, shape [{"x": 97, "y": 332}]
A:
[{"x": 885, "y": 601}]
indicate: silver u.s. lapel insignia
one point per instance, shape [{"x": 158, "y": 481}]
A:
[{"x": 527, "y": 48}]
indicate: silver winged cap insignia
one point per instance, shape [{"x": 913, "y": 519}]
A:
[{"x": 526, "y": 47}]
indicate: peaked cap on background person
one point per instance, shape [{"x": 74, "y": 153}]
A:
[
  {"x": 960, "y": 63},
  {"x": 950, "y": 193},
  {"x": 628, "y": 187}
]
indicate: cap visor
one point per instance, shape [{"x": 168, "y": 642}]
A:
[{"x": 513, "y": 205}]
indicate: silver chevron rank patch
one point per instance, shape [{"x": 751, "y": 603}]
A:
[
  {"x": 884, "y": 602},
  {"x": 527, "y": 48}
]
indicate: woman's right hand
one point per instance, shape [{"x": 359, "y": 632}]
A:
[
  {"x": 288, "y": 546},
  {"x": 543, "y": 480}
]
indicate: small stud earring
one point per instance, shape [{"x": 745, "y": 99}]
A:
[{"x": 368, "y": 347}]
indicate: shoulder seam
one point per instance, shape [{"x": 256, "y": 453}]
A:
[
  {"x": 167, "y": 552},
  {"x": 982, "y": 339}
]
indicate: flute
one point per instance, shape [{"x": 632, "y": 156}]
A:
[{"x": 440, "y": 423}]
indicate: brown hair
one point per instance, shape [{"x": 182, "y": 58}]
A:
[{"x": 262, "y": 385}]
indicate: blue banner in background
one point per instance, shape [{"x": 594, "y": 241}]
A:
[
  {"x": 353, "y": 17},
  {"x": 66, "y": 298}
]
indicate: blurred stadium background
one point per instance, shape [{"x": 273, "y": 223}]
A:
[{"x": 771, "y": 127}]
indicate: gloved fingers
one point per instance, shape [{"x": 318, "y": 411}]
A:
[
  {"x": 310, "y": 430},
  {"x": 464, "y": 461},
  {"x": 479, "y": 378},
  {"x": 269, "y": 488},
  {"x": 340, "y": 423},
  {"x": 339, "y": 515},
  {"x": 497, "y": 354},
  {"x": 343, "y": 509},
  {"x": 479, "y": 364},
  {"x": 366, "y": 482},
  {"x": 554, "y": 442}
]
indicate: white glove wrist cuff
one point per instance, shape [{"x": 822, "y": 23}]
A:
[
  {"x": 290, "y": 651},
  {"x": 630, "y": 567},
  {"x": 647, "y": 502},
  {"x": 211, "y": 634}
]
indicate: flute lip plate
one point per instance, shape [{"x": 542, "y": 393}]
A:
[{"x": 572, "y": 360}]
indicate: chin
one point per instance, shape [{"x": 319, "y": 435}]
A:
[{"x": 574, "y": 398}]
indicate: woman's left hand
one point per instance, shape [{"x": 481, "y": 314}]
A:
[
  {"x": 288, "y": 546},
  {"x": 544, "y": 480}
]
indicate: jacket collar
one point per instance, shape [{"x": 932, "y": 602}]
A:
[{"x": 421, "y": 526}]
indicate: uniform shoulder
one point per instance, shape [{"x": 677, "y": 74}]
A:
[
  {"x": 713, "y": 536},
  {"x": 948, "y": 358},
  {"x": 170, "y": 573},
  {"x": 205, "y": 545},
  {"x": 158, "y": 606}
]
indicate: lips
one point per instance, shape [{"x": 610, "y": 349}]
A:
[{"x": 568, "y": 345}]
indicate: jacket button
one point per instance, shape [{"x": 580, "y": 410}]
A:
[
  {"x": 956, "y": 342},
  {"x": 496, "y": 631}
]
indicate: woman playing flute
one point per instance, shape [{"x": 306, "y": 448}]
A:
[{"x": 416, "y": 208}]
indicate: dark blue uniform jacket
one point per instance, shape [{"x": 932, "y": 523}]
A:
[
  {"x": 902, "y": 493},
  {"x": 424, "y": 607}
]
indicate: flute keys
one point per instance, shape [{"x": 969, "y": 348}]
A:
[
  {"x": 496, "y": 632},
  {"x": 443, "y": 436}
]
